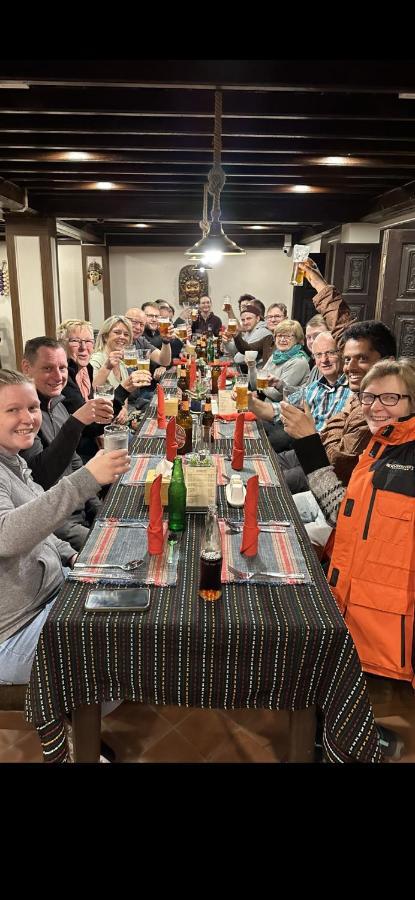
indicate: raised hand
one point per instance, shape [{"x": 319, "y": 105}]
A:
[
  {"x": 297, "y": 423},
  {"x": 97, "y": 410},
  {"x": 107, "y": 467},
  {"x": 312, "y": 274}
]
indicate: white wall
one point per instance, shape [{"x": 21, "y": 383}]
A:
[
  {"x": 359, "y": 233},
  {"x": 152, "y": 273},
  {"x": 70, "y": 281},
  {"x": 7, "y": 353}
]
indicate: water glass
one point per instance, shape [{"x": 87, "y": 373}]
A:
[
  {"x": 104, "y": 392},
  {"x": 116, "y": 437},
  {"x": 294, "y": 395}
]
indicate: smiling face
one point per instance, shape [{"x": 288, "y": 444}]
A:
[
  {"x": 377, "y": 414},
  {"x": 80, "y": 345},
  {"x": 137, "y": 320},
  {"x": 152, "y": 317},
  {"x": 274, "y": 316},
  {"x": 284, "y": 340},
  {"x": 118, "y": 338},
  {"x": 20, "y": 416},
  {"x": 358, "y": 358},
  {"x": 49, "y": 371},
  {"x": 205, "y": 306},
  {"x": 249, "y": 321},
  {"x": 326, "y": 356}
]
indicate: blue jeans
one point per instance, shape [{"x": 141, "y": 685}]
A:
[{"x": 18, "y": 651}]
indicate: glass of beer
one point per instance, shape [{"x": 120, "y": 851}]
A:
[
  {"x": 116, "y": 437},
  {"x": 143, "y": 360},
  {"x": 232, "y": 326},
  {"x": 164, "y": 325},
  {"x": 226, "y": 303},
  {"x": 130, "y": 358},
  {"x": 241, "y": 388},
  {"x": 297, "y": 275},
  {"x": 182, "y": 332},
  {"x": 195, "y": 313},
  {"x": 300, "y": 255},
  {"x": 262, "y": 380}
]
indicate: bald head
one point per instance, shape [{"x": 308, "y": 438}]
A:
[{"x": 137, "y": 319}]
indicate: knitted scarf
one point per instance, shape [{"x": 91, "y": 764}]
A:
[{"x": 281, "y": 356}]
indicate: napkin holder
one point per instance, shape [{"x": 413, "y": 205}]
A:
[
  {"x": 171, "y": 406},
  {"x": 226, "y": 406},
  {"x": 151, "y": 475},
  {"x": 200, "y": 484}
]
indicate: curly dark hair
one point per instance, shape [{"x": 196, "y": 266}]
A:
[{"x": 381, "y": 337}]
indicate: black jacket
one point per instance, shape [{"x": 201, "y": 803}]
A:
[{"x": 73, "y": 400}]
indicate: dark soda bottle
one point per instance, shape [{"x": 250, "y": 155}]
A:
[
  {"x": 184, "y": 427},
  {"x": 207, "y": 420},
  {"x": 210, "y": 587}
]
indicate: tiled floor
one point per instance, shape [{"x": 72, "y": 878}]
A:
[{"x": 171, "y": 734}]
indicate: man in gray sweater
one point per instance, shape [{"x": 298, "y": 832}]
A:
[
  {"x": 53, "y": 452},
  {"x": 254, "y": 336}
]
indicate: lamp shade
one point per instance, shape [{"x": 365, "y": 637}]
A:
[{"x": 216, "y": 241}]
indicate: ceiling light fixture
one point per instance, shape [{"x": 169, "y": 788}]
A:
[
  {"x": 14, "y": 85},
  {"x": 336, "y": 160},
  {"x": 301, "y": 188},
  {"x": 104, "y": 185},
  {"x": 215, "y": 243},
  {"x": 140, "y": 225},
  {"x": 77, "y": 155}
]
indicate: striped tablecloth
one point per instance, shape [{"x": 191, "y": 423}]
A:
[{"x": 261, "y": 646}]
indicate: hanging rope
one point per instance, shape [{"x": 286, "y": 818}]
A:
[
  {"x": 204, "y": 223},
  {"x": 217, "y": 177}
]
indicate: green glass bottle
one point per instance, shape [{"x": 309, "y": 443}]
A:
[
  {"x": 177, "y": 498},
  {"x": 210, "y": 348}
]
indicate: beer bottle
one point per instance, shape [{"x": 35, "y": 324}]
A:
[
  {"x": 177, "y": 498},
  {"x": 210, "y": 349},
  {"x": 207, "y": 420},
  {"x": 210, "y": 587},
  {"x": 184, "y": 424},
  {"x": 215, "y": 372},
  {"x": 181, "y": 379}
]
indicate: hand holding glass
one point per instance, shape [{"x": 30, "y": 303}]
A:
[
  {"x": 241, "y": 388},
  {"x": 294, "y": 395},
  {"x": 116, "y": 437}
]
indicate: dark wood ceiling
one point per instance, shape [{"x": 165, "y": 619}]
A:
[{"x": 146, "y": 128}]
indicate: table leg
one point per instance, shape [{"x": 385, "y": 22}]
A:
[
  {"x": 86, "y": 733},
  {"x": 302, "y": 735}
]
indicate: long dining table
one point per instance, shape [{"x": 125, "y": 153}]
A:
[{"x": 278, "y": 647}]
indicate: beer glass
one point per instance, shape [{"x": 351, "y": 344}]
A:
[
  {"x": 116, "y": 437},
  {"x": 293, "y": 395},
  {"x": 130, "y": 358},
  {"x": 297, "y": 275},
  {"x": 226, "y": 303},
  {"x": 182, "y": 332},
  {"x": 241, "y": 387},
  {"x": 300, "y": 254},
  {"x": 104, "y": 392},
  {"x": 262, "y": 380},
  {"x": 164, "y": 325},
  {"x": 143, "y": 360},
  {"x": 232, "y": 326},
  {"x": 195, "y": 313}
]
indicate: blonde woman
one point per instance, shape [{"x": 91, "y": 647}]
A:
[
  {"x": 288, "y": 364},
  {"x": 107, "y": 359}
]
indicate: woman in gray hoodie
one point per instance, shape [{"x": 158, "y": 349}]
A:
[{"x": 31, "y": 557}]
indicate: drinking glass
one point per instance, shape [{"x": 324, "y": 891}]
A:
[
  {"x": 104, "y": 392},
  {"x": 232, "y": 326},
  {"x": 241, "y": 387},
  {"x": 116, "y": 437},
  {"x": 164, "y": 325},
  {"x": 262, "y": 380},
  {"x": 130, "y": 358},
  {"x": 294, "y": 395},
  {"x": 143, "y": 359}
]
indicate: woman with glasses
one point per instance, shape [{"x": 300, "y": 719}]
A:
[
  {"x": 372, "y": 568},
  {"x": 288, "y": 364}
]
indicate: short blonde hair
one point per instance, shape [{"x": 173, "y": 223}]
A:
[
  {"x": 9, "y": 376},
  {"x": 291, "y": 325},
  {"x": 105, "y": 329},
  {"x": 404, "y": 368},
  {"x": 64, "y": 329}
]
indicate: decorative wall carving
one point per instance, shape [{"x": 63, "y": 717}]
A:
[
  {"x": 410, "y": 282},
  {"x": 193, "y": 284},
  {"x": 356, "y": 272},
  {"x": 405, "y": 335}
]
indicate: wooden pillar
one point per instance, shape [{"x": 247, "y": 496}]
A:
[{"x": 34, "y": 282}]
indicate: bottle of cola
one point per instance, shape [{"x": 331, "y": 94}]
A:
[{"x": 210, "y": 587}]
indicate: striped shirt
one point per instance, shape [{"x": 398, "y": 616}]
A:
[{"x": 324, "y": 399}]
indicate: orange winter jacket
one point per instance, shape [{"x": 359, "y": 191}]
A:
[{"x": 372, "y": 570}]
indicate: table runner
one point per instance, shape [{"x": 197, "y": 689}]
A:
[
  {"x": 258, "y": 647},
  {"x": 139, "y": 467},
  {"x": 259, "y": 465},
  {"x": 222, "y": 429}
]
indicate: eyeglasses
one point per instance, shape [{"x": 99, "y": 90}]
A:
[
  {"x": 386, "y": 399},
  {"x": 134, "y": 321},
  {"x": 330, "y": 353},
  {"x": 79, "y": 341},
  {"x": 152, "y": 316},
  {"x": 285, "y": 334}
]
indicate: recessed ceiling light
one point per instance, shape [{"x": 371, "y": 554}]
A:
[
  {"x": 406, "y": 96},
  {"x": 301, "y": 188},
  {"x": 104, "y": 185},
  {"x": 336, "y": 160},
  {"x": 140, "y": 225},
  {"x": 77, "y": 154},
  {"x": 257, "y": 227},
  {"x": 15, "y": 85}
]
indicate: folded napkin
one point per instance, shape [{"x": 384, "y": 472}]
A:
[
  {"x": 155, "y": 537},
  {"x": 171, "y": 443},
  {"x": 222, "y": 378},
  {"x": 230, "y": 417},
  {"x": 249, "y": 545},
  {"x": 238, "y": 448},
  {"x": 161, "y": 415},
  {"x": 192, "y": 373}
]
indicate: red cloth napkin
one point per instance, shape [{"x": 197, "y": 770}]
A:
[
  {"x": 222, "y": 379},
  {"x": 155, "y": 527},
  {"x": 230, "y": 417},
  {"x": 171, "y": 443},
  {"x": 249, "y": 545},
  {"x": 238, "y": 448},
  {"x": 161, "y": 415},
  {"x": 192, "y": 373}
]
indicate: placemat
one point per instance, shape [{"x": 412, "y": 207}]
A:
[
  {"x": 114, "y": 544},
  {"x": 139, "y": 467},
  {"x": 277, "y": 552},
  {"x": 253, "y": 465}
]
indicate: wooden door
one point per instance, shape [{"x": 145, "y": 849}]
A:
[
  {"x": 355, "y": 272},
  {"x": 396, "y": 303}
]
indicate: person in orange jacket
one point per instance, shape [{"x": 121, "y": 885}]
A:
[{"x": 372, "y": 568}]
